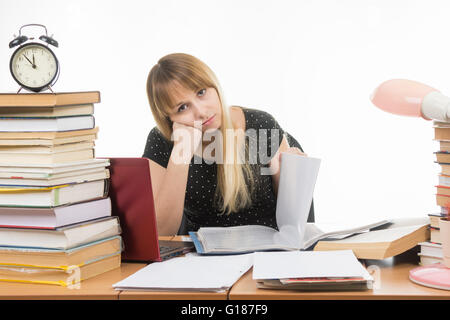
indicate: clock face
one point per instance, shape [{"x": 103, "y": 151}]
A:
[{"x": 34, "y": 66}]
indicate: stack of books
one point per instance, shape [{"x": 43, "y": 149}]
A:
[
  {"x": 431, "y": 251},
  {"x": 56, "y": 223}
]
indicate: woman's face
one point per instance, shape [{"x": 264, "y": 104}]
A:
[{"x": 201, "y": 108}]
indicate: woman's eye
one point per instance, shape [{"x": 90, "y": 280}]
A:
[
  {"x": 182, "y": 107},
  {"x": 201, "y": 92}
]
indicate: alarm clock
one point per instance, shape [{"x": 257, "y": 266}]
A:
[{"x": 33, "y": 64}]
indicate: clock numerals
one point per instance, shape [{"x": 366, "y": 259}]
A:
[{"x": 34, "y": 66}]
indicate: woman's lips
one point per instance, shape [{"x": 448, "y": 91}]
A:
[{"x": 209, "y": 120}]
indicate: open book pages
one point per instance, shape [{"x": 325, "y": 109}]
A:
[
  {"x": 298, "y": 176},
  {"x": 252, "y": 238},
  {"x": 334, "y": 230},
  {"x": 189, "y": 273},
  {"x": 238, "y": 239}
]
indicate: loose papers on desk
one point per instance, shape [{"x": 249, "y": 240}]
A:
[
  {"x": 310, "y": 270},
  {"x": 190, "y": 273}
]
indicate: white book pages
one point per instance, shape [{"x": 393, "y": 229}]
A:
[
  {"x": 297, "y": 180},
  {"x": 46, "y": 124},
  {"x": 238, "y": 239},
  {"x": 190, "y": 273},
  {"x": 298, "y": 175},
  {"x": 307, "y": 264}
]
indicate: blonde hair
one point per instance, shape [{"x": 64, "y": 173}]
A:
[{"x": 235, "y": 183}]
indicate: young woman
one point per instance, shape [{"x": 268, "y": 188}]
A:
[{"x": 210, "y": 164}]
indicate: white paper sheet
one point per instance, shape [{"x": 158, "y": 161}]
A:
[
  {"x": 307, "y": 264},
  {"x": 190, "y": 273},
  {"x": 298, "y": 175}
]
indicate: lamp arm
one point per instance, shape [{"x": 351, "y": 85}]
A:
[{"x": 436, "y": 106}]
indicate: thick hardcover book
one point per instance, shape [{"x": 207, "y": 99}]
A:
[
  {"x": 57, "y": 111},
  {"x": 53, "y": 196},
  {"x": 60, "y": 238},
  {"x": 59, "y": 258},
  {"x": 73, "y": 123},
  {"x": 52, "y": 218},
  {"x": 47, "y": 135},
  {"x": 399, "y": 236},
  {"x": 48, "y": 99},
  {"x": 60, "y": 276}
]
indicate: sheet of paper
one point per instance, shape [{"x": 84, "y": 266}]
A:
[
  {"x": 298, "y": 176},
  {"x": 192, "y": 273},
  {"x": 307, "y": 264}
]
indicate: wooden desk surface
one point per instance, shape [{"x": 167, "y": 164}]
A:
[
  {"x": 97, "y": 288},
  {"x": 176, "y": 295},
  {"x": 391, "y": 282}
]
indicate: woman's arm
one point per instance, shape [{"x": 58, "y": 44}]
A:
[
  {"x": 169, "y": 189},
  {"x": 275, "y": 163},
  {"x": 169, "y": 184}
]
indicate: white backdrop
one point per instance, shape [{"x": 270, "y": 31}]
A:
[{"x": 311, "y": 64}]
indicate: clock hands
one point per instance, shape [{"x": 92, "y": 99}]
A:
[{"x": 32, "y": 63}]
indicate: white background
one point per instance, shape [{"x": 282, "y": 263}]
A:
[{"x": 311, "y": 64}]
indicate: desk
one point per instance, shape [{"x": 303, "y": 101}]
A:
[
  {"x": 167, "y": 295},
  {"x": 392, "y": 283}
]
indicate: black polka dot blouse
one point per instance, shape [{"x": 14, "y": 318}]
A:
[{"x": 200, "y": 207}]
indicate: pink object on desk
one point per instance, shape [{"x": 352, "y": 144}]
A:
[{"x": 434, "y": 276}]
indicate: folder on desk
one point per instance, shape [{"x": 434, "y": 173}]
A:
[{"x": 310, "y": 270}]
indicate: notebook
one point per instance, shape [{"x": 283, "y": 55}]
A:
[{"x": 132, "y": 201}]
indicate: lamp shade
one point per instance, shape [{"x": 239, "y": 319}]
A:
[{"x": 401, "y": 96}]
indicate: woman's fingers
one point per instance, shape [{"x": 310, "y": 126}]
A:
[{"x": 293, "y": 150}]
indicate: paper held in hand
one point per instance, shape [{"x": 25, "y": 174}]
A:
[{"x": 295, "y": 193}]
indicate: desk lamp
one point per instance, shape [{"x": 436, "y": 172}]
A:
[{"x": 411, "y": 98}]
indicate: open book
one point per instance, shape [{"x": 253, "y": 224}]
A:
[
  {"x": 295, "y": 192},
  {"x": 399, "y": 236}
]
